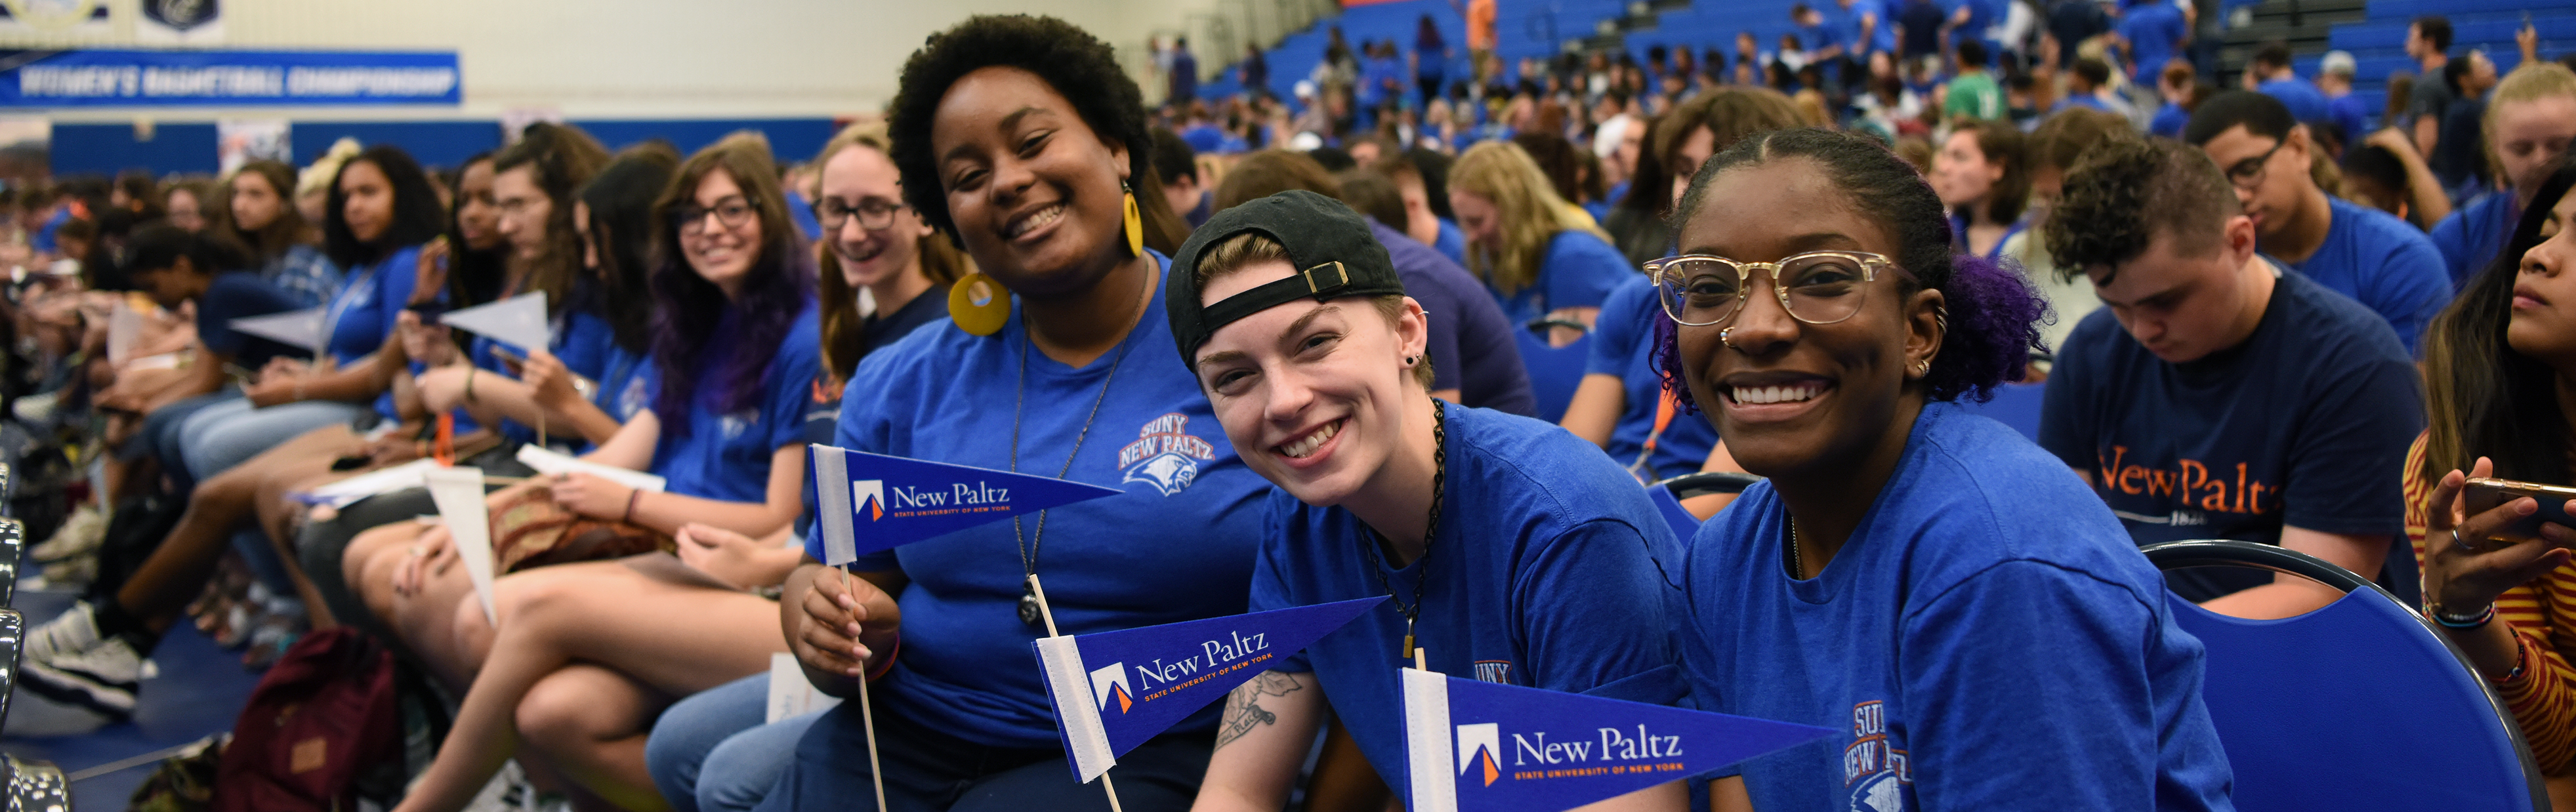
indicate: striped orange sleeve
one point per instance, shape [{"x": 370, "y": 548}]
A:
[{"x": 2543, "y": 614}]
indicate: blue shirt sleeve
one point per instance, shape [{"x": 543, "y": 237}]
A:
[
  {"x": 1268, "y": 592},
  {"x": 2412, "y": 287},
  {"x": 1582, "y": 641},
  {"x": 1620, "y": 327},
  {"x": 1964, "y": 659},
  {"x": 1580, "y": 270},
  {"x": 2451, "y": 237},
  {"x": 863, "y": 427}
]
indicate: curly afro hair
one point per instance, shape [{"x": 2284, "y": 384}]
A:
[
  {"x": 1993, "y": 314},
  {"x": 1076, "y": 64},
  {"x": 2126, "y": 191}
]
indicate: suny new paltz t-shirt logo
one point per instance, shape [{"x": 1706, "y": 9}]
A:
[{"x": 1165, "y": 454}]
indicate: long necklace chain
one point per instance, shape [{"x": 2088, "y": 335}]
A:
[
  {"x": 1027, "y": 547},
  {"x": 1430, "y": 529}
]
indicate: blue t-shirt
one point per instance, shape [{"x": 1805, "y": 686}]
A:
[
  {"x": 372, "y": 296},
  {"x": 1178, "y": 546},
  {"x": 2152, "y": 29},
  {"x": 2351, "y": 112},
  {"x": 1881, "y": 38},
  {"x": 2383, "y": 262},
  {"x": 1452, "y": 243},
  {"x": 2169, "y": 121},
  {"x": 584, "y": 342},
  {"x": 2306, "y": 102},
  {"x": 1471, "y": 345},
  {"x": 1549, "y": 570},
  {"x": 2304, "y": 423},
  {"x": 238, "y": 295},
  {"x": 1986, "y": 639},
  {"x": 2470, "y": 237},
  {"x": 726, "y": 456},
  {"x": 1578, "y": 270},
  {"x": 1623, "y": 345},
  {"x": 304, "y": 274}
]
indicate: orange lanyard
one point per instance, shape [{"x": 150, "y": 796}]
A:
[{"x": 1665, "y": 407}]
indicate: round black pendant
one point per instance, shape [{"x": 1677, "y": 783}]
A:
[{"x": 1029, "y": 613}]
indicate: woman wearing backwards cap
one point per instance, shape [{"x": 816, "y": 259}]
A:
[{"x": 1513, "y": 551}]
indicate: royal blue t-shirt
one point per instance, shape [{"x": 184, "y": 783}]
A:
[
  {"x": 372, "y": 296},
  {"x": 2169, "y": 121},
  {"x": 2152, "y": 29},
  {"x": 2306, "y": 102},
  {"x": 1549, "y": 569},
  {"x": 1452, "y": 243},
  {"x": 1178, "y": 546},
  {"x": 1578, "y": 270},
  {"x": 2301, "y": 424},
  {"x": 2384, "y": 263},
  {"x": 1881, "y": 38},
  {"x": 2352, "y": 113},
  {"x": 1471, "y": 345},
  {"x": 1986, "y": 639},
  {"x": 584, "y": 342},
  {"x": 2470, "y": 237},
  {"x": 236, "y": 295},
  {"x": 1623, "y": 345},
  {"x": 726, "y": 456}
]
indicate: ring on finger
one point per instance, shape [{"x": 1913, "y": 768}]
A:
[{"x": 2463, "y": 542}]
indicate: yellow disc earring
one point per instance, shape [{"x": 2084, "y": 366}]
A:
[
  {"x": 978, "y": 304},
  {"x": 1134, "y": 225}
]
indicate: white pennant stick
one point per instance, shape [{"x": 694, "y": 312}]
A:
[
  {"x": 867, "y": 710},
  {"x": 1038, "y": 590}
]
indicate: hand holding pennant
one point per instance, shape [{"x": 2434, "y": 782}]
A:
[
  {"x": 1114, "y": 690},
  {"x": 870, "y": 502},
  {"x": 900, "y": 501},
  {"x": 294, "y": 328},
  {"x": 1485, "y": 746}
]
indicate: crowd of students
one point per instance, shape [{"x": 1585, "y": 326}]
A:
[{"x": 2235, "y": 339}]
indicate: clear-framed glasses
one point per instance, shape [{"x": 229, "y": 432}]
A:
[
  {"x": 1817, "y": 287},
  {"x": 691, "y": 221},
  {"x": 874, "y": 213}
]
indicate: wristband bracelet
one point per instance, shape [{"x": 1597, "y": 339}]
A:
[
  {"x": 631, "y": 496},
  {"x": 885, "y": 664},
  {"x": 2521, "y": 658},
  {"x": 469, "y": 384},
  {"x": 2451, "y": 621}
]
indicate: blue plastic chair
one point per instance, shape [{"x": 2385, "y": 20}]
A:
[
  {"x": 1554, "y": 372},
  {"x": 2358, "y": 705}
]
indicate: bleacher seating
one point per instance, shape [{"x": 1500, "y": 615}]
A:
[{"x": 28, "y": 785}]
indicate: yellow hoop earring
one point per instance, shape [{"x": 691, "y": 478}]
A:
[
  {"x": 1134, "y": 226},
  {"x": 978, "y": 304}
]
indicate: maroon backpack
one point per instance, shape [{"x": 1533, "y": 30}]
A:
[{"x": 319, "y": 719}]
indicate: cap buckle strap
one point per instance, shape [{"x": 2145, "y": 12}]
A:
[{"x": 1323, "y": 292}]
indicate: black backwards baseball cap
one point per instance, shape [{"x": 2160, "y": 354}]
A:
[{"x": 1333, "y": 250}]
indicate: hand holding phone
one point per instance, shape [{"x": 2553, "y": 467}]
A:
[
  {"x": 511, "y": 361},
  {"x": 2485, "y": 494}
]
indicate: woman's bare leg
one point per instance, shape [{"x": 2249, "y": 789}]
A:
[
  {"x": 675, "y": 639},
  {"x": 587, "y": 724}
]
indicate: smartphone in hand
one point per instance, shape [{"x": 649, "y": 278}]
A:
[
  {"x": 2486, "y": 494},
  {"x": 511, "y": 360}
]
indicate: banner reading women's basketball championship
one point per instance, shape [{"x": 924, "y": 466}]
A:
[
  {"x": 1489, "y": 746},
  {"x": 1115, "y": 690},
  {"x": 869, "y": 502}
]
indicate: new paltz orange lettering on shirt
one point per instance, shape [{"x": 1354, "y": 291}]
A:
[{"x": 2191, "y": 484}]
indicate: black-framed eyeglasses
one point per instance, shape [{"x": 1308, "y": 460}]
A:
[
  {"x": 2249, "y": 173},
  {"x": 875, "y": 213},
  {"x": 1817, "y": 287},
  {"x": 691, "y": 221}
]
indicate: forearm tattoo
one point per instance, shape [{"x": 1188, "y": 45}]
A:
[{"x": 1243, "y": 710}]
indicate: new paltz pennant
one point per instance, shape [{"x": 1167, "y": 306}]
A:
[
  {"x": 1114, "y": 690},
  {"x": 1488, "y": 746},
  {"x": 869, "y": 502}
]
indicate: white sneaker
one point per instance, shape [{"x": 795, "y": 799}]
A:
[
  {"x": 102, "y": 677},
  {"x": 80, "y": 534},
  {"x": 73, "y": 631}
]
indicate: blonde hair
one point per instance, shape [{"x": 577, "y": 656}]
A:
[
  {"x": 2531, "y": 82},
  {"x": 844, "y": 329},
  {"x": 1251, "y": 248},
  {"x": 1529, "y": 209}
]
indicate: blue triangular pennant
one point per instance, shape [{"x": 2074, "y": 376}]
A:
[
  {"x": 869, "y": 502},
  {"x": 1114, "y": 690},
  {"x": 1488, "y": 746}
]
